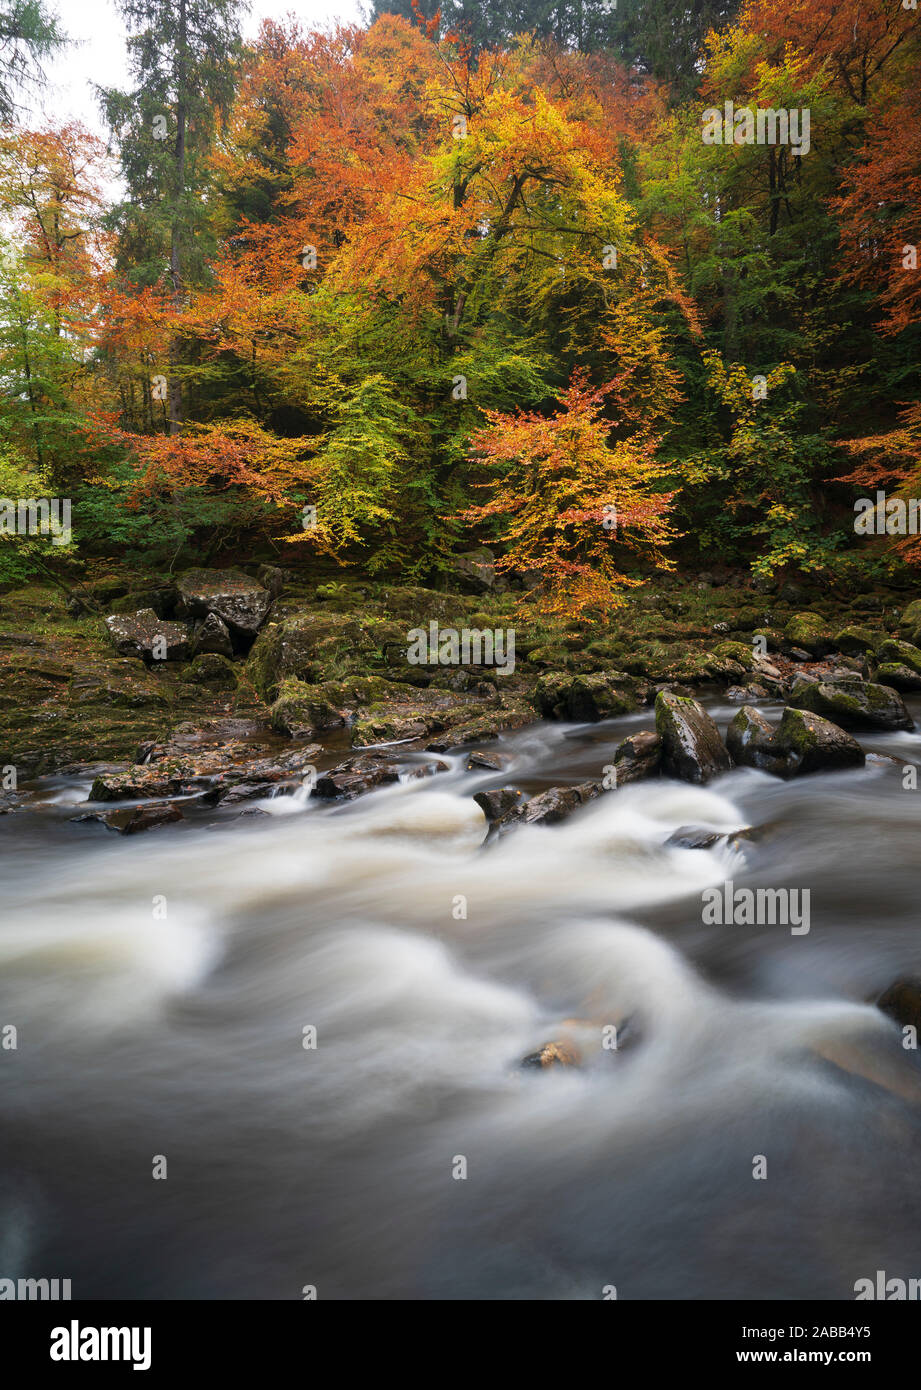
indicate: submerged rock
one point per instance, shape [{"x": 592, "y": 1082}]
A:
[
  {"x": 561, "y": 1053},
  {"x": 135, "y": 819},
  {"x": 691, "y": 745}
]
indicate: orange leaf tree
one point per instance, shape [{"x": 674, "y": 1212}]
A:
[{"x": 569, "y": 502}]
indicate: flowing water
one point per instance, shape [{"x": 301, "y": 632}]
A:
[{"x": 160, "y": 986}]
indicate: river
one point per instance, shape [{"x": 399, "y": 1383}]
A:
[{"x": 160, "y": 986}]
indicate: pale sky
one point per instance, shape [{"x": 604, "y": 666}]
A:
[{"x": 98, "y": 55}]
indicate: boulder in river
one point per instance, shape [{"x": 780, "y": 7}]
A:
[
  {"x": 752, "y": 742},
  {"x": 354, "y": 777},
  {"x": 814, "y": 744},
  {"x": 547, "y": 808},
  {"x": 691, "y": 745},
  {"x": 638, "y": 757},
  {"x": 853, "y": 703},
  {"x": 239, "y": 601},
  {"x": 147, "y": 637},
  {"x": 496, "y": 804}
]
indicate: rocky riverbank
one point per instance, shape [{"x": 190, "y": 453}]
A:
[{"x": 224, "y": 683}]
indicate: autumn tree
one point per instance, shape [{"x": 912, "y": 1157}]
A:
[{"x": 568, "y": 502}]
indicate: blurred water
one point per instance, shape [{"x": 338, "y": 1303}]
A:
[{"x": 144, "y": 1034}]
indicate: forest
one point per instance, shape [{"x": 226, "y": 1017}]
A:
[{"x": 368, "y": 297}]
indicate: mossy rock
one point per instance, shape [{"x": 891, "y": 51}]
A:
[
  {"x": 899, "y": 677},
  {"x": 853, "y": 703},
  {"x": 210, "y": 668},
  {"x": 308, "y": 648},
  {"x": 301, "y": 708},
  {"x": 739, "y": 652},
  {"x": 856, "y": 640},
  {"x": 811, "y": 632},
  {"x": 901, "y": 653}
]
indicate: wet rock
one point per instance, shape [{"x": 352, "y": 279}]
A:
[
  {"x": 147, "y": 637},
  {"x": 797, "y": 654},
  {"x": 902, "y": 1001},
  {"x": 305, "y": 709},
  {"x": 239, "y": 601},
  {"x": 498, "y": 803},
  {"x": 214, "y": 771},
  {"x": 637, "y": 758},
  {"x": 898, "y": 677},
  {"x": 809, "y": 632},
  {"x": 353, "y": 778},
  {"x": 212, "y": 636},
  {"x": 212, "y": 670},
  {"x": 561, "y": 1053},
  {"x": 552, "y": 806},
  {"x": 691, "y": 745},
  {"x": 853, "y": 703},
  {"x": 814, "y": 744},
  {"x": 701, "y": 837},
  {"x": 744, "y": 693},
  {"x": 132, "y": 821},
  {"x": 752, "y": 742},
  {"x": 493, "y": 762},
  {"x": 511, "y": 715}
]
